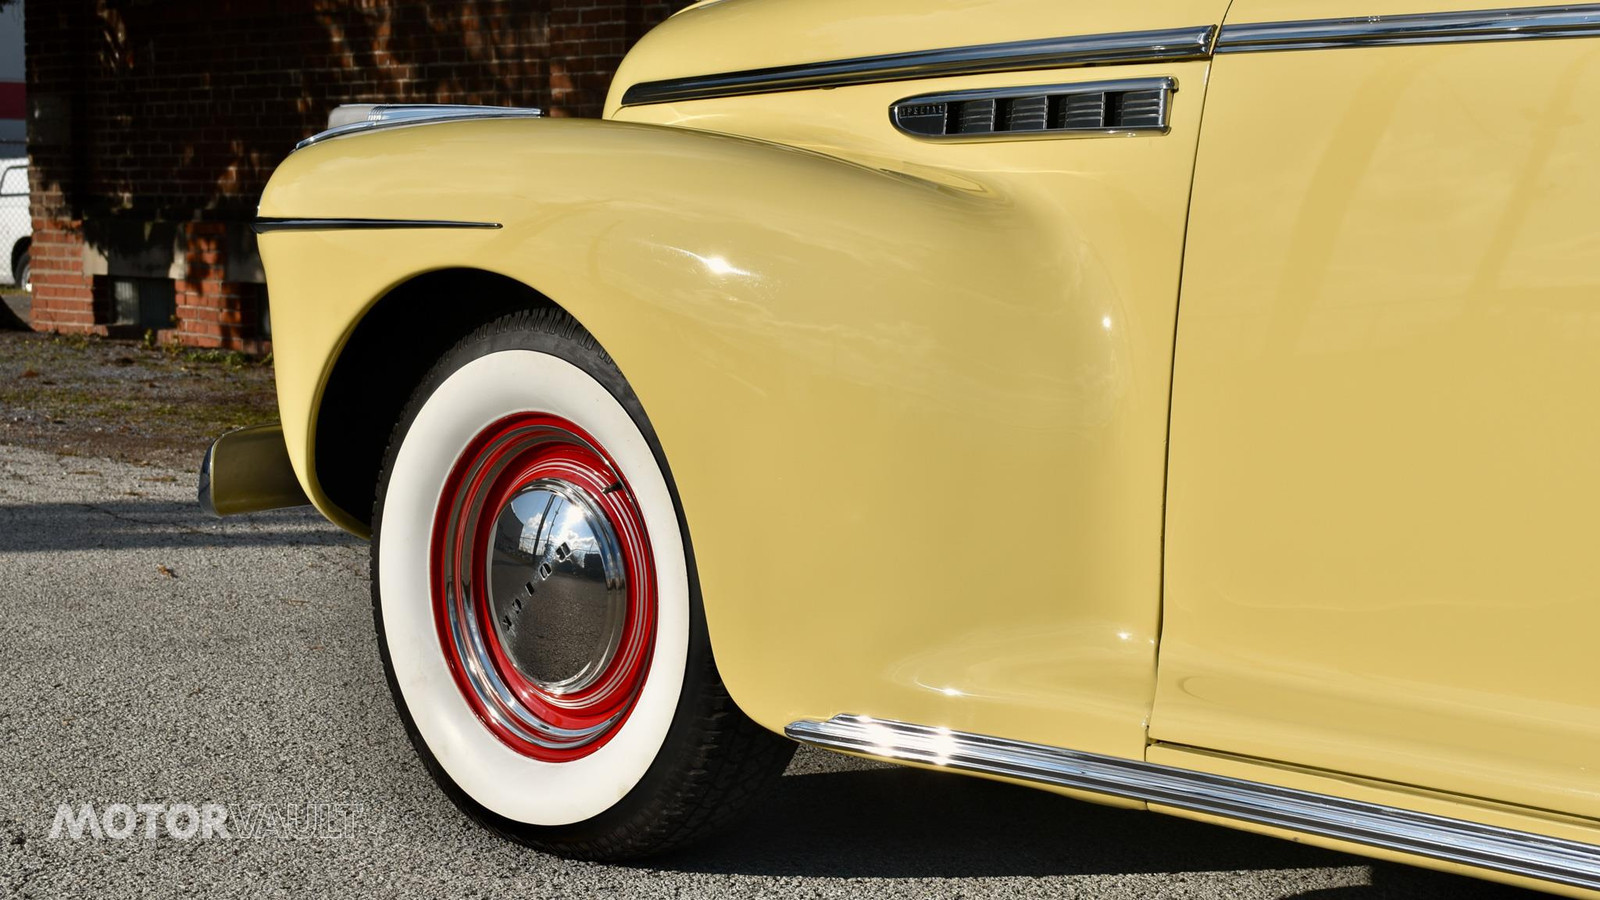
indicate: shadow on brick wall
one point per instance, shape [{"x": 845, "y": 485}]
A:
[{"x": 146, "y": 112}]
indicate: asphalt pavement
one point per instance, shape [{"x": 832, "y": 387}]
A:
[{"x": 149, "y": 655}]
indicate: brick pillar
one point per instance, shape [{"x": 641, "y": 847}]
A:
[{"x": 63, "y": 296}]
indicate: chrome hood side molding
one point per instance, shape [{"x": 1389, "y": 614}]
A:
[
  {"x": 1523, "y": 23},
  {"x": 1170, "y": 45}
]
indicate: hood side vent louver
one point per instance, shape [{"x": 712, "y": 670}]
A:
[
  {"x": 1028, "y": 114},
  {"x": 1081, "y": 110},
  {"x": 1132, "y": 106},
  {"x": 1140, "y": 109}
]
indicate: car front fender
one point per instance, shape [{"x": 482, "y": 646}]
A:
[{"x": 891, "y": 403}]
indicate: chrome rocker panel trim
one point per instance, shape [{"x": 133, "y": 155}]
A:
[
  {"x": 268, "y": 224},
  {"x": 1427, "y": 28},
  {"x": 1453, "y": 840},
  {"x": 1051, "y": 53}
]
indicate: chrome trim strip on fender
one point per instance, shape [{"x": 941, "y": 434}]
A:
[
  {"x": 1050, "y": 53},
  {"x": 267, "y": 224},
  {"x": 1453, "y": 840},
  {"x": 1427, "y": 28}
]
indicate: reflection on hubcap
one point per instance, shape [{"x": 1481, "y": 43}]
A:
[
  {"x": 558, "y": 588},
  {"x": 543, "y": 587}
]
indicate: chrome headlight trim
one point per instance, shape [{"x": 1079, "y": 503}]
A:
[{"x": 360, "y": 118}]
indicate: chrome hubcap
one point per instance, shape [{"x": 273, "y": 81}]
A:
[
  {"x": 543, "y": 586},
  {"x": 558, "y": 586}
]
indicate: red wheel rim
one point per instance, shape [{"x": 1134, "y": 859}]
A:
[{"x": 533, "y": 493}]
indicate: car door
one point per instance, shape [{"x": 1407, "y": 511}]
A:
[{"x": 1383, "y": 553}]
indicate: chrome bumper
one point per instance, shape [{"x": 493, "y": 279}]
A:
[{"x": 249, "y": 471}]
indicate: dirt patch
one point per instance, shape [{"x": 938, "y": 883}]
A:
[{"x": 123, "y": 400}]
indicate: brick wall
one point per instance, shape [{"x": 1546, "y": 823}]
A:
[{"x": 154, "y": 124}]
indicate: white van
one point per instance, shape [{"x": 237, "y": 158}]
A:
[{"x": 16, "y": 225}]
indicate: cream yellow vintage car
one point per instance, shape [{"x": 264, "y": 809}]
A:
[{"x": 1181, "y": 404}]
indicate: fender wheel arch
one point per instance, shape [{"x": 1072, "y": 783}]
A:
[{"x": 370, "y": 383}]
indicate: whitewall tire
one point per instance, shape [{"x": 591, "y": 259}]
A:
[{"x": 537, "y": 607}]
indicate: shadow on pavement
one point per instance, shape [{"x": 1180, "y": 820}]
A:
[
  {"x": 908, "y": 823},
  {"x": 1391, "y": 881},
  {"x": 135, "y": 524}
]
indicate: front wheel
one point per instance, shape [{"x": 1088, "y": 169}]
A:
[{"x": 537, "y": 607}]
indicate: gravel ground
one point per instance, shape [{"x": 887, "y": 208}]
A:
[
  {"x": 123, "y": 400},
  {"x": 155, "y": 656}
]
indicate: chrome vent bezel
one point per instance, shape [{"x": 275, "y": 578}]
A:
[{"x": 1123, "y": 107}]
